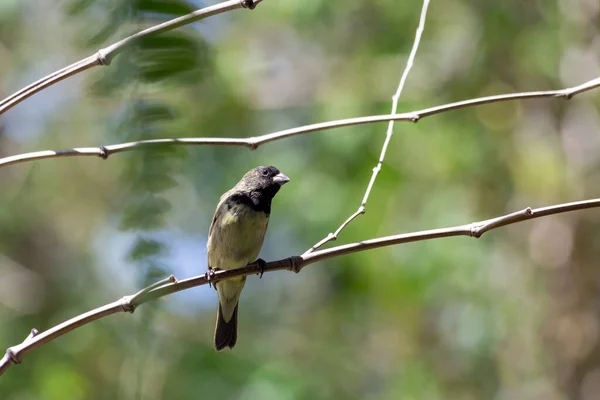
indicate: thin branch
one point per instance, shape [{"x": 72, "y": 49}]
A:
[
  {"x": 105, "y": 56},
  {"x": 388, "y": 135},
  {"x": 254, "y": 142},
  {"x": 15, "y": 354}
]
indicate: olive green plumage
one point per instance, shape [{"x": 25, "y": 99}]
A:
[{"x": 235, "y": 238}]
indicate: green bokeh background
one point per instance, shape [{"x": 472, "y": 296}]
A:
[{"x": 513, "y": 315}]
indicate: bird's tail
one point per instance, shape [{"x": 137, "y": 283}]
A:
[{"x": 226, "y": 331}]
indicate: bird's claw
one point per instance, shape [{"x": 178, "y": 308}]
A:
[
  {"x": 209, "y": 274},
  {"x": 262, "y": 264}
]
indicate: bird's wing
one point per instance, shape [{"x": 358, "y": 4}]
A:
[
  {"x": 217, "y": 215},
  {"x": 218, "y": 211}
]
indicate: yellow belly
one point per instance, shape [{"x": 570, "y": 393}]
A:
[{"x": 237, "y": 239}]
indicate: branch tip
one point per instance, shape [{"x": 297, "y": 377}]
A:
[{"x": 32, "y": 334}]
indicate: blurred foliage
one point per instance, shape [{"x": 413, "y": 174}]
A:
[{"x": 513, "y": 315}]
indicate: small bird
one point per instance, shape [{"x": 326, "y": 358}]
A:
[{"x": 235, "y": 238}]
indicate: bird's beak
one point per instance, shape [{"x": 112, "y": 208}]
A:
[{"x": 281, "y": 179}]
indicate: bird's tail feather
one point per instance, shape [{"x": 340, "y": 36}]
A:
[{"x": 226, "y": 332}]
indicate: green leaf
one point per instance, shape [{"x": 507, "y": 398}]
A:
[
  {"x": 145, "y": 214},
  {"x": 169, "y": 7},
  {"x": 146, "y": 248},
  {"x": 169, "y": 55}
]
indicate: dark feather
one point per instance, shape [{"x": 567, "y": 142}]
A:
[
  {"x": 226, "y": 332},
  {"x": 255, "y": 189}
]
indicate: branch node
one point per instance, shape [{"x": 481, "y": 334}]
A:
[
  {"x": 250, "y": 4},
  {"x": 528, "y": 211},
  {"x": 126, "y": 304},
  {"x": 415, "y": 118},
  {"x": 102, "y": 58},
  {"x": 475, "y": 230},
  {"x": 296, "y": 262},
  {"x": 103, "y": 152},
  {"x": 10, "y": 353},
  {"x": 252, "y": 143}
]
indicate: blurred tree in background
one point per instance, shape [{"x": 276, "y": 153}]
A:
[{"x": 514, "y": 315}]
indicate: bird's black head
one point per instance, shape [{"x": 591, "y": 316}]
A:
[
  {"x": 262, "y": 184},
  {"x": 264, "y": 179}
]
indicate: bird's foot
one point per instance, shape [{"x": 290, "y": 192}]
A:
[
  {"x": 209, "y": 274},
  {"x": 261, "y": 264}
]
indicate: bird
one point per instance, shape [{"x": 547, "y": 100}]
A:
[{"x": 235, "y": 238}]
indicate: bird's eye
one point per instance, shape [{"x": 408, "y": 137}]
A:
[{"x": 264, "y": 172}]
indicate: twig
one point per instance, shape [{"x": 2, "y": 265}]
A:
[
  {"x": 388, "y": 135},
  {"x": 253, "y": 143},
  {"x": 15, "y": 354},
  {"x": 105, "y": 56}
]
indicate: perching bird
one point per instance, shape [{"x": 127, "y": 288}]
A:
[{"x": 234, "y": 240}]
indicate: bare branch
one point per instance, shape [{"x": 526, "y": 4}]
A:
[
  {"x": 253, "y": 143},
  {"x": 15, "y": 354},
  {"x": 388, "y": 135},
  {"x": 564, "y": 93},
  {"x": 104, "y": 56},
  {"x": 10, "y": 358}
]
